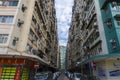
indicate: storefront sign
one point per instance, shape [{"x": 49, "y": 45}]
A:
[
  {"x": 0, "y": 72},
  {"x": 18, "y": 72},
  {"x": 36, "y": 66},
  {"x": 114, "y": 73},
  {"x": 19, "y": 61},
  {"x": 11, "y": 61}
]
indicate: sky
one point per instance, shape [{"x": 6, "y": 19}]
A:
[{"x": 63, "y": 14}]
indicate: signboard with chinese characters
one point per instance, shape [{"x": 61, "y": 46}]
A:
[
  {"x": 18, "y": 71},
  {"x": 0, "y": 72},
  {"x": 114, "y": 73}
]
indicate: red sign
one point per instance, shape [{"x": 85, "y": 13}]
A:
[
  {"x": 36, "y": 66},
  {"x": 93, "y": 64},
  {"x": 0, "y": 71},
  {"x": 11, "y": 61},
  {"x": 17, "y": 76}
]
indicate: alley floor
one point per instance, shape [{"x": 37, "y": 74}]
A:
[{"x": 62, "y": 77}]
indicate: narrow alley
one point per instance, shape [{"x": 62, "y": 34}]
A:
[
  {"x": 62, "y": 77},
  {"x": 59, "y": 39}
]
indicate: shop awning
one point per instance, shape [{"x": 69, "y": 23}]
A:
[
  {"x": 23, "y": 55},
  {"x": 100, "y": 57}
]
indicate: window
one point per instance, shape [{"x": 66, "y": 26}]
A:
[
  {"x": 8, "y": 3},
  {"x": 3, "y": 38},
  {"x": 6, "y": 19},
  {"x": 116, "y": 6},
  {"x": 13, "y": 3},
  {"x": 118, "y": 22}
]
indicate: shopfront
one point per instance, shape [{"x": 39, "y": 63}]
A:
[
  {"x": 16, "y": 69},
  {"x": 102, "y": 67},
  {"x": 107, "y": 69}
]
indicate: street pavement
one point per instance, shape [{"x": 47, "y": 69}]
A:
[{"x": 62, "y": 77}]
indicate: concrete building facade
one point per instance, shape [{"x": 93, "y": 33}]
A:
[
  {"x": 99, "y": 33},
  {"x": 28, "y": 37},
  {"x": 74, "y": 40}
]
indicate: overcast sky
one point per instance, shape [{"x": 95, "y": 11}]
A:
[{"x": 63, "y": 13}]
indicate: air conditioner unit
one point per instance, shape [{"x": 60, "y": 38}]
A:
[
  {"x": 16, "y": 38},
  {"x": 23, "y": 7},
  {"x": 20, "y": 22}
]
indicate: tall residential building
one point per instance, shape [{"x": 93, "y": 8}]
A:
[
  {"x": 74, "y": 39},
  {"x": 62, "y": 57},
  {"x": 99, "y": 33},
  {"x": 28, "y": 37}
]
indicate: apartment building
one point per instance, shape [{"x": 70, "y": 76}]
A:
[
  {"x": 62, "y": 57},
  {"x": 28, "y": 37},
  {"x": 99, "y": 33},
  {"x": 74, "y": 39}
]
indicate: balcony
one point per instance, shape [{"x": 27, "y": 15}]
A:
[
  {"x": 88, "y": 36},
  {"x": 95, "y": 42},
  {"x": 91, "y": 18}
]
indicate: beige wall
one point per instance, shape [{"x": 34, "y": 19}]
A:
[
  {"x": 22, "y": 32},
  {"x": 105, "y": 67}
]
